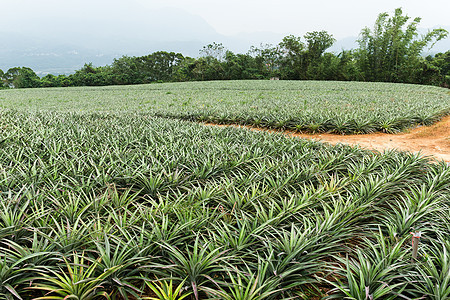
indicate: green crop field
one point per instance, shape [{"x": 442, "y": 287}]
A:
[
  {"x": 102, "y": 197},
  {"x": 313, "y": 106}
]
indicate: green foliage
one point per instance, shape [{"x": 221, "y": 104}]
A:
[
  {"x": 237, "y": 214},
  {"x": 391, "y": 51},
  {"x": 434, "y": 274},
  {"x": 315, "y": 106},
  {"x": 165, "y": 291},
  {"x": 76, "y": 282},
  {"x": 21, "y": 78},
  {"x": 243, "y": 287},
  {"x": 158, "y": 66},
  {"x": 318, "y": 42},
  {"x": 2, "y": 80},
  {"x": 197, "y": 265},
  {"x": 442, "y": 61},
  {"x": 292, "y": 61}
]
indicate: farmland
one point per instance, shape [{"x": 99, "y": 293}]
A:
[
  {"x": 310, "y": 106},
  {"x": 107, "y": 191}
]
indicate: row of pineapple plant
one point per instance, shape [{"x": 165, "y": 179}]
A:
[
  {"x": 304, "y": 106},
  {"x": 129, "y": 206},
  {"x": 331, "y": 123}
]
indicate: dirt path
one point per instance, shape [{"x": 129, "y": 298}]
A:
[{"x": 431, "y": 140}]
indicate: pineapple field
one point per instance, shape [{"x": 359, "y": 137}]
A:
[
  {"x": 114, "y": 193},
  {"x": 304, "y": 106}
]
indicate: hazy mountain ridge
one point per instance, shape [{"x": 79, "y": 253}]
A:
[{"x": 63, "y": 43}]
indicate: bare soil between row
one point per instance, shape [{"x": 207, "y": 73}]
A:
[{"x": 431, "y": 140}]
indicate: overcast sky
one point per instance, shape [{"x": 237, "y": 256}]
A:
[{"x": 340, "y": 17}]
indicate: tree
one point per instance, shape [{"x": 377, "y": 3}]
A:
[
  {"x": 317, "y": 43},
  {"x": 300, "y": 61},
  {"x": 159, "y": 66},
  {"x": 51, "y": 80},
  {"x": 210, "y": 66},
  {"x": 267, "y": 58},
  {"x": 391, "y": 51},
  {"x": 240, "y": 66},
  {"x": 126, "y": 70},
  {"x": 292, "y": 60},
  {"x": 214, "y": 50},
  {"x": 324, "y": 68},
  {"x": 22, "y": 78},
  {"x": 347, "y": 68},
  {"x": 442, "y": 61},
  {"x": 183, "y": 71},
  {"x": 2, "y": 79},
  {"x": 91, "y": 76}
]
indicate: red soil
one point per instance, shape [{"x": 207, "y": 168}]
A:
[{"x": 431, "y": 140}]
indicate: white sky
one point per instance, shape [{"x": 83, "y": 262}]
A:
[{"x": 339, "y": 17}]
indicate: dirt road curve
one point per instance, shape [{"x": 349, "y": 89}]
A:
[{"x": 432, "y": 140}]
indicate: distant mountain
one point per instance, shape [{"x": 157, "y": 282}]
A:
[
  {"x": 64, "y": 41},
  {"x": 61, "y": 57},
  {"x": 61, "y": 42},
  {"x": 68, "y": 43}
]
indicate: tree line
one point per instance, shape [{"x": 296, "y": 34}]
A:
[{"x": 390, "y": 52}]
